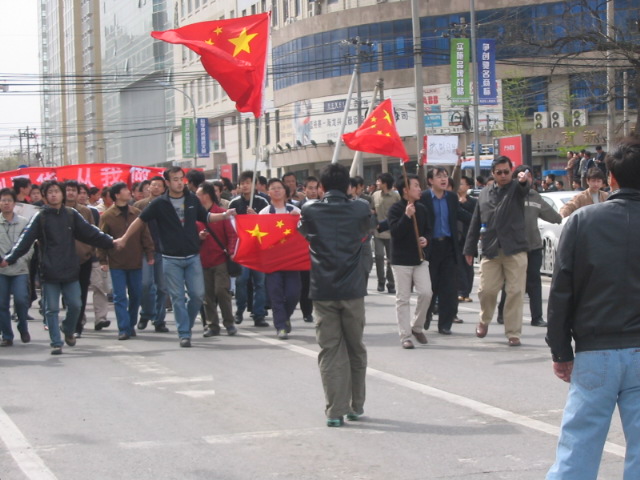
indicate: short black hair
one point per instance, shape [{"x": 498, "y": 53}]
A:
[
  {"x": 386, "y": 178},
  {"x": 400, "y": 185},
  {"x": 289, "y": 174},
  {"x": 624, "y": 163},
  {"x": 262, "y": 180},
  {"x": 195, "y": 177},
  {"x": 208, "y": 189},
  {"x": 595, "y": 172},
  {"x": 143, "y": 184},
  {"x": 83, "y": 186},
  {"x": 500, "y": 160},
  {"x": 246, "y": 175},
  {"x": 560, "y": 182},
  {"x": 281, "y": 182},
  {"x": 115, "y": 189},
  {"x": 335, "y": 177},
  {"x": 310, "y": 178},
  {"x": 171, "y": 170},
  {"x": 53, "y": 183},
  {"x": 94, "y": 190},
  {"x": 467, "y": 180},
  {"x": 359, "y": 180},
  {"x": 72, "y": 184},
  {"x": 433, "y": 171},
  {"x": 8, "y": 191},
  {"x": 21, "y": 182}
]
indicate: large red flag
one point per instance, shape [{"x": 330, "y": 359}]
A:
[
  {"x": 232, "y": 51},
  {"x": 269, "y": 243},
  {"x": 378, "y": 134}
]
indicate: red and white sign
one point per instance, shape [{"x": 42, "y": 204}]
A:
[{"x": 511, "y": 147}]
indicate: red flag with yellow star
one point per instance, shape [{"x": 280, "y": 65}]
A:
[
  {"x": 232, "y": 51},
  {"x": 269, "y": 243},
  {"x": 378, "y": 134}
]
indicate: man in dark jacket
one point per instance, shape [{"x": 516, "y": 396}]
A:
[
  {"x": 176, "y": 213},
  {"x": 335, "y": 228},
  {"x": 56, "y": 228},
  {"x": 594, "y": 301},
  {"x": 443, "y": 252},
  {"x": 408, "y": 259},
  {"x": 500, "y": 209}
]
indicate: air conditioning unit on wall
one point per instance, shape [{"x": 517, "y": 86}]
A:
[
  {"x": 579, "y": 117},
  {"x": 557, "y": 119},
  {"x": 541, "y": 120}
]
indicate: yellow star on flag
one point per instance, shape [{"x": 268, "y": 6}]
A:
[
  {"x": 287, "y": 231},
  {"x": 209, "y": 42},
  {"x": 387, "y": 117},
  {"x": 380, "y": 132},
  {"x": 218, "y": 31},
  {"x": 242, "y": 42},
  {"x": 279, "y": 224},
  {"x": 257, "y": 233}
]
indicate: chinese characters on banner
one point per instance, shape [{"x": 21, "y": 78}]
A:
[
  {"x": 188, "y": 137},
  {"x": 203, "y": 137},
  {"x": 460, "y": 88},
  {"x": 93, "y": 174},
  {"x": 441, "y": 149},
  {"x": 486, "y": 55}
]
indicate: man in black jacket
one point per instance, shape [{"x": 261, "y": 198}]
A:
[
  {"x": 176, "y": 212},
  {"x": 336, "y": 228},
  {"x": 443, "y": 256},
  {"x": 500, "y": 209},
  {"x": 594, "y": 301},
  {"x": 408, "y": 261},
  {"x": 56, "y": 228}
]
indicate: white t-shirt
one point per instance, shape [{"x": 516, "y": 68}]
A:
[{"x": 291, "y": 208}]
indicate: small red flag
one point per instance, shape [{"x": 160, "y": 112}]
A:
[
  {"x": 378, "y": 134},
  {"x": 269, "y": 243},
  {"x": 232, "y": 51}
]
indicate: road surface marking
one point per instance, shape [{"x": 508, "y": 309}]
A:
[
  {"x": 465, "y": 402},
  {"x": 197, "y": 393},
  {"x": 207, "y": 378},
  {"x": 22, "y": 452}
]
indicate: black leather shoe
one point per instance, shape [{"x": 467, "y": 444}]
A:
[
  {"x": 260, "y": 322},
  {"x": 381, "y": 287},
  {"x": 500, "y": 319},
  {"x": 142, "y": 323},
  {"x": 427, "y": 323},
  {"x": 538, "y": 323},
  {"x": 444, "y": 331},
  {"x": 162, "y": 328},
  {"x": 392, "y": 290}
]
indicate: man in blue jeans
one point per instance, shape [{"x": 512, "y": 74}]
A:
[
  {"x": 176, "y": 212},
  {"x": 56, "y": 228},
  {"x": 14, "y": 280},
  {"x": 154, "y": 289},
  {"x": 125, "y": 265},
  {"x": 593, "y": 299}
]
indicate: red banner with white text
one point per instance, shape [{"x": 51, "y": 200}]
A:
[{"x": 92, "y": 174}]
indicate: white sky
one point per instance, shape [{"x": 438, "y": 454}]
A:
[{"x": 18, "y": 55}]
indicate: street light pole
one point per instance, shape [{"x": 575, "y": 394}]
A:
[{"x": 195, "y": 116}]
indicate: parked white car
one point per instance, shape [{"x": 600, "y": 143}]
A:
[{"x": 550, "y": 232}]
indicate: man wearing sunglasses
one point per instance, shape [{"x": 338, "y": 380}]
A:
[{"x": 500, "y": 209}]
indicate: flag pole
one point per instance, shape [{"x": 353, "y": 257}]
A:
[
  {"x": 255, "y": 163},
  {"x": 358, "y": 155},
  {"x": 415, "y": 221},
  {"x": 336, "y": 150}
]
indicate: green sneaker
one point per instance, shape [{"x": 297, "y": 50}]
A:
[
  {"x": 335, "y": 422},
  {"x": 354, "y": 417}
]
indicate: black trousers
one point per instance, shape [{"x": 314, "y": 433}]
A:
[
  {"x": 306, "y": 305},
  {"x": 443, "y": 270},
  {"x": 84, "y": 279}
]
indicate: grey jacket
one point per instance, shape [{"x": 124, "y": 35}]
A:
[
  {"x": 502, "y": 211},
  {"x": 535, "y": 207},
  {"x": 9, "y": 235}
]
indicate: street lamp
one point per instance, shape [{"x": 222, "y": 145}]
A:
[{"x": 195, "y": 115}]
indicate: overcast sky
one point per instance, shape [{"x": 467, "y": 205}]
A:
[{"x": 18, "y": 55}]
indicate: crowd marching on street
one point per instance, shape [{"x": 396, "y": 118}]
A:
[{"x": 165, "y": 243}]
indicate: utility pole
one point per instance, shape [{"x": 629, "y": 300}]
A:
[
  {"x": 417, "y": 74},
  {"x": 28, "y": 135}
]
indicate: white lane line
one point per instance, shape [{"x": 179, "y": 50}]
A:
[
  {"x": 22, "y": 452},
  {"x": 166, "y": 380},
  {"x": 465, "y": 402},
  {"x": 197, "y": 393}
]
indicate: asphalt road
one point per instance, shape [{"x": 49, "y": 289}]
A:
[{"x": 252, "y": 407}]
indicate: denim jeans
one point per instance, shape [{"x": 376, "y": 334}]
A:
[
  {"x": 154, "y": 291},
  {"x": 600, "y": 380},
  {"x": 284, "y": 293},
  {"x": 259, "y": 295},
  {"x": 126, "y": 281},
  {"x": 51, "y": 294},
  {"x": 181, "y": 272},
  {"x": 18, "y": 287}
]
